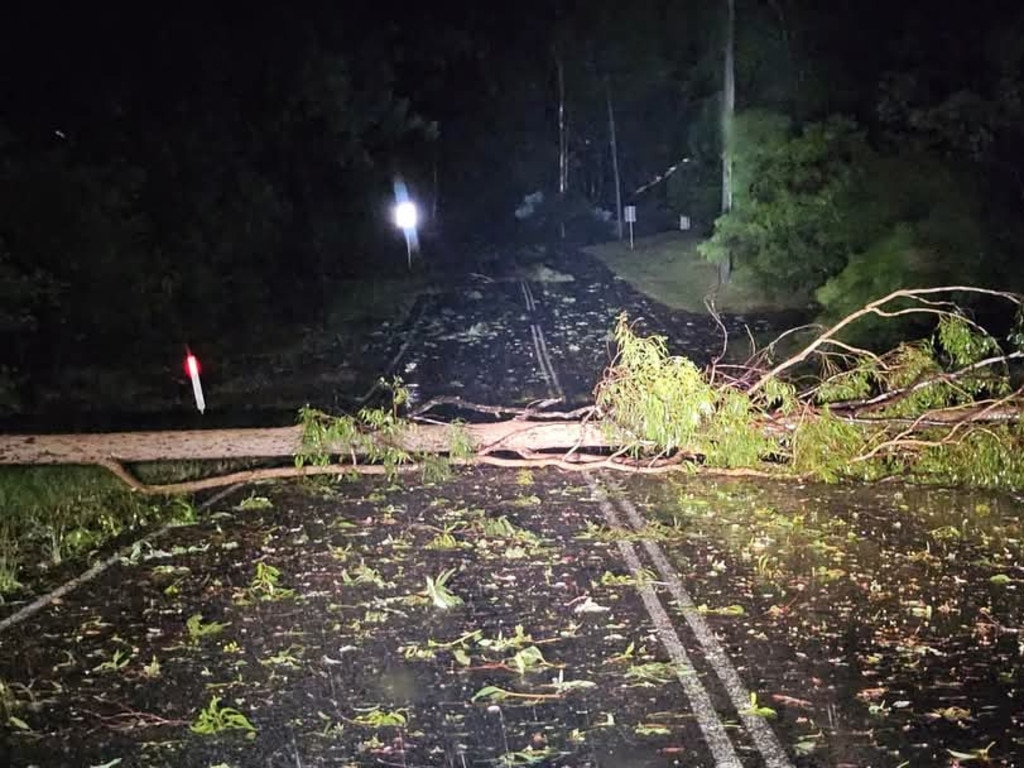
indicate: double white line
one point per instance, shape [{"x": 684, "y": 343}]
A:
[
  {"x": 708, "y": 718},
  {"x": 531, "y": 303},
  {"x": 540, "y": 346}
]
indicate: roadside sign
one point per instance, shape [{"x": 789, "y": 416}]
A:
[
  {"x": 630, "y": 216},
  {"x": 684, "y": 223}
]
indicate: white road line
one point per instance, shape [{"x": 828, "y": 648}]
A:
[
  {"x": 547, "y": 369},
  {"x": 761, "y": 733},
  {"x": 710, "y": 723},
  {"x": 531, "y": 303},
  {"x": 547, "y": 358},
  {"x": 700, "y": 702},
  {"x": 535, "y": 332},
  {"x": 540, "y": 345}
]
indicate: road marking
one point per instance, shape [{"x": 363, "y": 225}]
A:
[
  {"x": 531, "y": 303},
  {"x": 764, "y": 738},
  {"x": 700, "y": 702},
  {"x": 540, "y": 345},
  {"x": 761, "y": 733}
]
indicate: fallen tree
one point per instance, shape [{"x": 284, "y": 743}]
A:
[{"x": 942, "y": 408}]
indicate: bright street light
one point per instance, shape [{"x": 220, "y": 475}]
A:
[
  {"x": 406, "y": 215},
  {"x": 406, "y": 218}
]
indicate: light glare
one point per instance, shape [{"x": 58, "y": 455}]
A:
[{"x": 406, "y": 215}]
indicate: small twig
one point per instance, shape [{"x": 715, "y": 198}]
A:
[
  {"x": 130, "y": 719},
  {"x": 709, "y": 304},
  {"x": 999, "y": 626}
]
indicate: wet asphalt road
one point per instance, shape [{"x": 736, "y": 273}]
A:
[
  {"x": 478, "y": 338},
  {"x": 541, "y": 331},
  {"x": 878, "y": 636}
]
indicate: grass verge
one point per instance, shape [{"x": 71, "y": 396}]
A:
[
  {"x": 668, "y": 268},
  {"x": 53, "y": 515}
]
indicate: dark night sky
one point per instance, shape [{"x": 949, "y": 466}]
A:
[
  {"x": 221, "y": 144},
  {"x": 76, "y": 66}
]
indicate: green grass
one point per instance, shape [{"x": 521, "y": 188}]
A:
[
  {"x": 54, "y": 513},
  {"x": 668, "y": 268}
]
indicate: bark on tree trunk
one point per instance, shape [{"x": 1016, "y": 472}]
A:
[
  {"x": 563, "y": 137},
  {"x": 728, "y": 108},
  {"x": 514, "y": 436},
  {"x": 615, "y": 155}
]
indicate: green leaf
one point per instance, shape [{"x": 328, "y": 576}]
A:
[{"x": 490, "y": 693}]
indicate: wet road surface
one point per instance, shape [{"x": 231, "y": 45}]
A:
[{"x": 601, "y": 620}]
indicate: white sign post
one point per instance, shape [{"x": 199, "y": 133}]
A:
[
  {"x": 192, "y": 368},
  {"x": 630, "y": 215},
  {"x": 684, "y": 223}
]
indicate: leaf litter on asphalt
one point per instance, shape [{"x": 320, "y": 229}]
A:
[{"x": 327, "y": 622}]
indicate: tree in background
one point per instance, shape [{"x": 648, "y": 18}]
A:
[
  {"x": 790, "y": 223},
  {"x": 920, "y": 187},
  {"x": 206, "y": 184}
]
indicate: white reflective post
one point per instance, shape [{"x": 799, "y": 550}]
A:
[{"x": 192, "y": 366}]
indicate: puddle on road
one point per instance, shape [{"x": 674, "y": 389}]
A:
[{"x": 871, "y": 619}]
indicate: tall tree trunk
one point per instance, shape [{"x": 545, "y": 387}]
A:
[
  {"x": 728, "y": 108},
  {"x": 437, "y": 189},
  {"x": 563, "y": 137},
  {"x": 615, "y": 155}
]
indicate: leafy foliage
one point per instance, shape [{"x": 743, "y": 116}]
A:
[
  {"x": 656, "y": 398},
  {"x": 790, "y": 221},
  {"x": 373, "y": 433},
  {"x": 819, "y": 208},
  {"x": 914, "y": 222},
  {"x": 666, "y": 402},
  {"x": 865, "y": 416},
  {"x": 214, "y": 719}
]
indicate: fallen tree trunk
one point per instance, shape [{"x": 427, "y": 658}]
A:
[
  {"x": 946, "y": 408},
  {"x": 515, "y": 436}
]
